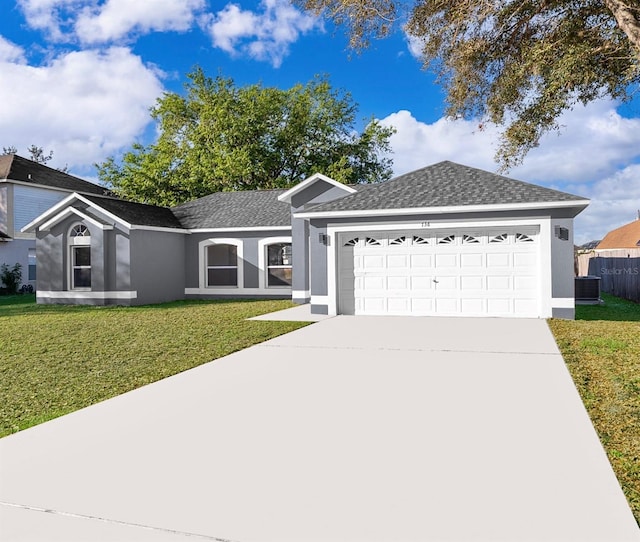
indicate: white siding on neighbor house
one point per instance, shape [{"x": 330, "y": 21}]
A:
[{"x": 29, "y": 203}]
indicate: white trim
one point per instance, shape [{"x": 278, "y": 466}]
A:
[
  {"x": 321, "y": 300},
  {"x": 49, "y": 212},
  {"x": 67, "y": 213},
  {"x": 238, "y": 292},
  {"x": 262, "y": 262},
  {"x": 563, "y": 302},
  {"x": 443, "y": 210},
  {"x": 300, "y": 294},
  {"x": 286, "y": 197},
  {"x": 160, "y": 228},
  {"x": 240, "y": 230},
  {"x": 433, "y": 225},
  {"x": 202, "y": 266},
  {"x": 45, "y": 294}
]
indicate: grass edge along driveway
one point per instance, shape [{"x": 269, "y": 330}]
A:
[
  {"x": 602, "y": 351},
  {"x": 55, "y": 359}
]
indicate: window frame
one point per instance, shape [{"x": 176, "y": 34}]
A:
[
  {"x": 263, "y": 263},
  {"x": 204, "y": 264},
  {"x": 77, "y": 242}
]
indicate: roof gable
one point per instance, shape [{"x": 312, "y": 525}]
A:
[
  {"x": 307, "y": 183},
  {"x": 130, "y": 214},
  {"x": 16, "y": 168},
  {"x": 447, "y": 185},
  {"x": 627, "y": 236}
]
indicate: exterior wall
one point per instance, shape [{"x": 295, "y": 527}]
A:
[
  {"x": 555, "y": 257},
  {"x": 17, "y": 251},
  {"x": 6, "y": 216},
  {"x": 251, "y": 268},
  {"x": 156, "y": 266},
  {"x": 29, "y": 203},
  {"x": 562, "y": 271}
]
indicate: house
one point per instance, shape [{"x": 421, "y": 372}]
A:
[
  {"x": 625, "y": 238},
  {"x": 27, "y": 189},
  {"x": 446, "y": 240},
  {"x": 622, "y": 242}
]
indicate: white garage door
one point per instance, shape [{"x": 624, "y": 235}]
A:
[{"x": 444, "y": 273}]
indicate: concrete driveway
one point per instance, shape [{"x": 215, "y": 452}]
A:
[{"x": 351, "y": 429}]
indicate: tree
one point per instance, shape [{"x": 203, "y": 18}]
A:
[
  {"x": 221, "y": 137},
  {"x": 36, "y": 154},
  {"x": 11, "y": 277},
  {"x": 519, "y": 64}
]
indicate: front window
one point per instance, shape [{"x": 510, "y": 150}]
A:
[
  {"x": 81, "y": 267},
  {"x": 279, "y": 264},
  {"x": 80, "y": 257},
  {"x": 222, "y": 265}
]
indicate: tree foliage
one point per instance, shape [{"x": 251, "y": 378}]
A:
[
  {"x": 517, "y": 63},
  {"x": 220, "y": 137},
  {"x": 36, "y": 154}
]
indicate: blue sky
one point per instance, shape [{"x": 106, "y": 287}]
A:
[{"x": 79, "y": 76}]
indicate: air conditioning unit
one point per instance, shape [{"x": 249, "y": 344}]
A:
[{"x": 588, "y": 290}]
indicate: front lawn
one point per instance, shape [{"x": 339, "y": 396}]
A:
[
  {"x": 55, "y": 359},
  {"x": 602, "y": 351}
]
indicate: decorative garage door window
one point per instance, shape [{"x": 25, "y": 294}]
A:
[
  {"x": 279, "y": 264},
  {"x": 479, "y": 272},
  {"x": 80, "y": 257},
  {"x": 222, "y": 265}
]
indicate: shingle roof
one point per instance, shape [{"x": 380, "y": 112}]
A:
[
  {"x": 16, "y": 168},
  {"x": 445, "y": 184},
  {"x": 138, "y": 214},
  {"x": 245, "y": 209},
  {"x": 627, "y": 236}
]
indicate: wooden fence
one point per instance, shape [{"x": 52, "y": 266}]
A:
[{"x": 619, "y": 276}]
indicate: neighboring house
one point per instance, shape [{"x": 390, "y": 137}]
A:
[
  {"x": 625, "y": 238},
  {"x": 445, "y": 240},
  {"x": 27, "y": 189}
]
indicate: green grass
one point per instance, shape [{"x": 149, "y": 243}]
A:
[
  {"x": 602, "y": 351},
  {"x": 55, "y": 359}
]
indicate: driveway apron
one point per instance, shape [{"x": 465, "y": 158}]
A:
[{"x": 351, "y": 429}]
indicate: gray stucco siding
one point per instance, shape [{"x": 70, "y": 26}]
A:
[{"x": 157, "y": 266}]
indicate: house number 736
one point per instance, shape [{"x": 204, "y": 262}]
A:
[{"x": 425, "y": 224}]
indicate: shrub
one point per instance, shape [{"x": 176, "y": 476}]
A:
[{"x": 11, "y": 277}]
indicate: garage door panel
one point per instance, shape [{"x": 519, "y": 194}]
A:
[
  {"x": 472, "y": 273},
  {"x": 472, "y": 283},
  {"x": 498, "y": 282},
  {"x": 446, "y": 260},
  {"x": 421, "y": 283},
  {"x": 498, "y": 259},
  {"x": 524, "y": 259},
  {"x": 472, "y": 260},
  {"x": 421, "y": 261}
]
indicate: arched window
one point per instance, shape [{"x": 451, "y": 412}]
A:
[
  {"x": 222, "y": 265},
  {"x": 279, "y": 264},
  {"x": 79, "y": 257}
]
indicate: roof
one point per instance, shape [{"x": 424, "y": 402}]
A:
[
  {"x": 139, "y": 214},
  {"x": 16, "y": 168},
  {"x": 315, "y": 178},
  {"x": 445, "y": 184},
  {"x": 627, "y": 236},
  {"x": 245, "y": 209}
]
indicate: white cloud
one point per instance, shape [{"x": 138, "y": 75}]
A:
[
  {"x": 52, "y": 16},
  {"x": 10, "y": 52},
  {"x": 265, "y": 35},
  {"x": 594, "y": 155},
  {"x": 83, "y": 105},
  {"x": 615, "y": 201},
  {"x": 114, "y": 19}
]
